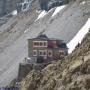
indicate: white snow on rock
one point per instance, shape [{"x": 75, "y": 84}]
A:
[
  {"x": 41, "y": 15},
  {"x": 58, "y": 9},
  {"x": 14, "y": 12},
  {"x": 44, "y": 13},
  {"x": 79, "y": 36},
  {"x": 83, "y": 2}
]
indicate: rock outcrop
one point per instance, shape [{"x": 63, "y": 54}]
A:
[
  {"x": 71, "y": 74},
  {"x": 7, "y": 6}
]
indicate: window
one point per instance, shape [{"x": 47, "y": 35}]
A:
[
  {"x": 35, "y": 43},
  {"x": 39, "y": 43},
  {"x": 34, "y": 52},
  {"x": 45, "y": 44},
  {"x": 61, "y": 53},
  {"x": 50, "y": 53},
  {"x": 42, "y": 53}
]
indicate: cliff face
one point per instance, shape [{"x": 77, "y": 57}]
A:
[{"x": 6, "y": 6}]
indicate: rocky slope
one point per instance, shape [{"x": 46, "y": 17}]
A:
[
  {"x": 7, "y": 6},
  {"x": 71, "y": 74},
  {"x": 15, "y": 32},
  {"x": 10, "y": 32}
]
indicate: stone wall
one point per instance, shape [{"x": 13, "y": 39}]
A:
[{"x": 24, "y": 69}]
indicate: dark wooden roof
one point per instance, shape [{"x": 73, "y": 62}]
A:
[{"x": 42, "y": 37}]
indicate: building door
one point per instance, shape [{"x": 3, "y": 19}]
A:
[
  {"x": 40, "y": 59},
  {"x": 56, "y": 55}
]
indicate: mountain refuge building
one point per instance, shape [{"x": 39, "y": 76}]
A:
[{"x": 43, "y": 49}]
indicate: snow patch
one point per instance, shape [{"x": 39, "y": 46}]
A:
[
  {"x": 82, "y": 3},
  {"x": 38, "y": 11},
  {"x": 79, "y": 36},
  {"x": 26, "y": 30},
  {"x": 14, "y": 12},
  {"x": 41, "y": 15},
  {"x": 58, "y": 9}
]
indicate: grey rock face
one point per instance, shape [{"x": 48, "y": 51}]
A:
[{"x": 6, "y": 6}]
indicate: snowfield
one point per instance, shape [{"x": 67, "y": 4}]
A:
[
  {"x": 65, "y": 25},
  {"x": 58, "y": 9},
  {"x": 42, "y": 14},
  {"x": 79, "y": 36},
  {"x": 14, "y": 12}
]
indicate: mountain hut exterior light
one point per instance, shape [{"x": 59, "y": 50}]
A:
[{"x": 43, "y": 49}]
